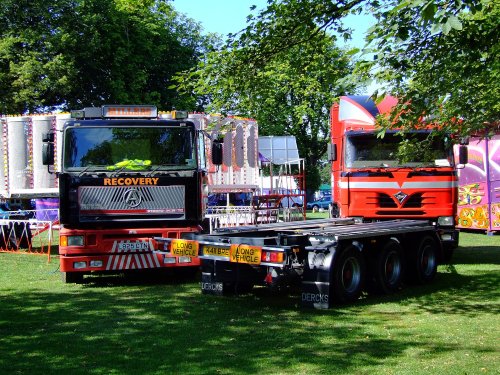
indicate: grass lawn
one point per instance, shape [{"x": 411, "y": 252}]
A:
[{"x": 116, "y": 325}]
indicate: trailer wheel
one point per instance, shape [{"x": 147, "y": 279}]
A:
[
  {"x": 239, "y": 287},
  {"x": 389, "y": 268},
  {"x": 72, "y": 277},
  {"x": 348, "y": 275},
  {"x": 424, "y": 261}
]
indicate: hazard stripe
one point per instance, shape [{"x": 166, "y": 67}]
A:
[
  {"x": 123, "y": 262},
  {"x": 115, "y": 264},
  {"x": 132, "y": 261},
  {"x": 108, "y": 264},
  {"x": 143, "y": 261},
  {"x": 137, "y": 262},
  {"x": 129, "y": 259},
  {"x": 157, "y": 262}
]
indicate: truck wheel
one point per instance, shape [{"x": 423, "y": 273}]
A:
[
  {"x": 72, "y": 277},
  {"x": 348, "y": 275},
  {"x": 389, "y": 268},
  {"x": 239, "y": 288},
  {"x": 424, "y": 261},
  {"x": 334, "y": 210}
]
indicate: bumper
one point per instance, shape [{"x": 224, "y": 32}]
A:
[
  {"x": 449, "y": 237},
  {"x": 125, "y": 262}
]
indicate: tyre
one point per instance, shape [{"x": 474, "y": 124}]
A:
[
  {"x": 315, "y": 208},
  {"x": 242, "y": 287},
  {"x": 348, "y": 275},
  {"x": 423, "y": 261},
  {"x": 334, "y": 210},
  {"x": 186, "y": 273},
  {"x": 388, "y": 268},
  {"x": 72, "y": 277}
]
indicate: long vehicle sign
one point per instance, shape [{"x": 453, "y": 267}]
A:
[
  {"x": 236, "y": 253},
  {"x": 184, "y": 248},
  {"x": 245, "y": 254}
]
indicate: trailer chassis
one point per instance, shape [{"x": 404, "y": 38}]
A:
[{"x": 333, "y": 260}]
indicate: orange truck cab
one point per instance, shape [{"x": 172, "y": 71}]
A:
[{"x": 371, "y": 183}]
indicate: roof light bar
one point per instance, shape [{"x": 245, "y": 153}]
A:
[{"x": 130, "y": 111}]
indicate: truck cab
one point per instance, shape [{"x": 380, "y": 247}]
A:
[
  {"x": 373, "y": 180},
  {"x": 127, "y": 175}
]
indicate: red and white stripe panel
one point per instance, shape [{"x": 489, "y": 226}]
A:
[
  {"x": 126, "y": 256},
  {"x": 133, "y": 261}
]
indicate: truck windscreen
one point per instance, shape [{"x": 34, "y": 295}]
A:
[
  {"x": 129, "y": 148},
  {"x": 365, "y": 150}
]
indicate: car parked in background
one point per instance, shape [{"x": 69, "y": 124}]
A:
[{"x": 322, "y": 203}]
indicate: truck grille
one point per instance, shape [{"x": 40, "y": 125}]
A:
[
  {"x": 413, "y": 201},
  {"x": 132, "y": 201}
]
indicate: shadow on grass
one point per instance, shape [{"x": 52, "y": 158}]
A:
[
  {"x": 477, "y": 255},
  {"x": 174, "y": 329},
  {"x": 142, "y": 277},
  {"x": 129, "y": 326}
]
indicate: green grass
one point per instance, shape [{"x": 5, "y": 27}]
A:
[
  {"x": 317, "y": 215},
  {"x": 115, "y": 325}
]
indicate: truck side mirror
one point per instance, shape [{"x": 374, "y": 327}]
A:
[
  {"x": 217, "y": 152},
  {"x": 48, "y": 149},
  {"x": 463, "y": 156},
  {"x": 332, "y": 152}
]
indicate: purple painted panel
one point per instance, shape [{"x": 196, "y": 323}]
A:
[
  {"x": 479, "y": 186},
  {"x": 475, "y": 169},
  {"x": 494, "y": 161}
]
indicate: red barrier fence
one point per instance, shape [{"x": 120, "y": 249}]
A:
[{"x": 27, "y": 236}]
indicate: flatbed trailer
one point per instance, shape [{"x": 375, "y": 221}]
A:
[{"x": 332, "y": 260}]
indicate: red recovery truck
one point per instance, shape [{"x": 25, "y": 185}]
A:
[
  {"x": 370, "y": 183},
  {"x": 126, "y": 176}
]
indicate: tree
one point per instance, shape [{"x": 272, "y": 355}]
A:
[
  {"x": 442, "y": 59},
  {"x": 440, "y": 56},
  {"x": 290, "y": 95},
  {"x": 75, "y": 53}
]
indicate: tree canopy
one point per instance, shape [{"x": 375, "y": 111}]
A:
[
  {"x": 440, "y": 57},
  {"x": 75, "y": 53},
  {"x": 289, "y": 95}
]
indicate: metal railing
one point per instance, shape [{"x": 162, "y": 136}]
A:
[{"x": 233, "y": 216}]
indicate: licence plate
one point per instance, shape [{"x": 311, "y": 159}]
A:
[
  {"x": 245, "y": 254},
  {"x": 216, "y": 251},
  {"x": 133, "y": 246},
  {"x": 184, "y": 248}
]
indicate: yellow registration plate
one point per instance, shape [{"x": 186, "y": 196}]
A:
[
  {"x": 184, "y": 248},
  {"x": 216, "y": 251},
  {"x": 245, "y": 254}
]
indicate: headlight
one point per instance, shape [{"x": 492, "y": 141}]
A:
[
  {"x": 75, "y": 240},
  {"x": 446, "y": 221}
]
